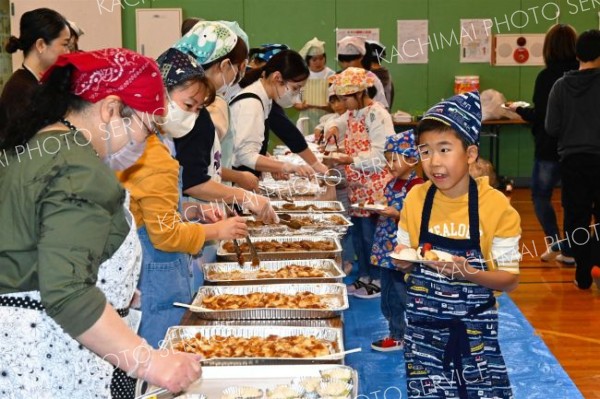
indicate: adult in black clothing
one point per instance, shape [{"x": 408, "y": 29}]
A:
[
  {"x": 279, "y": 81},
  {"x": 44, "y": 35},
  {"x": 559, "y": 57},
  {"x": 573, "y": 118},
  {"x": 277, "y": 121}
]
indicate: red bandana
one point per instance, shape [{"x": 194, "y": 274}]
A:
[{"x": 120, "y": 72}]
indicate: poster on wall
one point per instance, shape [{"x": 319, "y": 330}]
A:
[
  {"x": 368, "y": 33},
  {"x": 476, "y": 40},
  {"x": 412, "y": 39}
]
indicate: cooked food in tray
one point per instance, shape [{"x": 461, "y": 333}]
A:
[
  {"x": 301, "y": 300},
  {"x": 242, "y": 393},
  {"x": 308, "y": 208},
  {"x": 295, "y": 346},
  {"x": 286, "y": 272},
  {"x": 291, "y": 246},
  {"x": 305, "y": 221}
]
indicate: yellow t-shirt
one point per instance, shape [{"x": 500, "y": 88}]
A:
[
  {"x": 153, "y": 182},
  {"x": 499, "y": 222}
]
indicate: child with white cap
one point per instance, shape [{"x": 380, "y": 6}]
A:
[
  {"x": 314, "y": 98},
  {"x": 353, "y": 52}
]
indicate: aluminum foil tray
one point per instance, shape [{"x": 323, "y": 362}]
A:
[
  {"x": 215, "y": 379},
  {"x": 320, "y": 224},
  {"x": 231, "y": 257},
  {"x": 337, "y": 206},
  {"x": 333, "y": 335},
  {"x": 333, "y": 273},
  {"x": 336, "y": 299}
]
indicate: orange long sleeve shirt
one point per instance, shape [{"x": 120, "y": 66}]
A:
[{"x": 153, "y": 182}]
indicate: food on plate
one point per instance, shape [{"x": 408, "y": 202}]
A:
[
  {"x": 427, "y": 252},
  {"x": 288, "y": 246},
  {"x": 284, "y": 392},
  {"x": 254, "y": 300},
  {"x": 295, "y": 346},
  {"x": 337, "y": 373},
  {"x": 241, "y": 393},
  {"x": 289, "y": 271}
]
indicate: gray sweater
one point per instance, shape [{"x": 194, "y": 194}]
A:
[{"x": 573, "y": 115}]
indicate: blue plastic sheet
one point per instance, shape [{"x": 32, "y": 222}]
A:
[{"x": 534, "y": 372}]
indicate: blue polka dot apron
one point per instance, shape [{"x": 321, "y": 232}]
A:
[{"x": 451, "y": 340}]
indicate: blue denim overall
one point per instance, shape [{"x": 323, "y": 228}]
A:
[
  {"x": 451, "y": 340},
  {"x": 166, "y": 277}
]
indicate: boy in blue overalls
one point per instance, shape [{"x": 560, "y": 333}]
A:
[
  {"x": 401, "y": 157},
  {"x": 451, "y": 341}
]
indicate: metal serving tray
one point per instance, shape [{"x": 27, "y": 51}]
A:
[
  {"x": 337, "y": 301},
  {"x": 333, "y": 273},
  {"x": 231, "y": 257},
  {"x": 336, "y": 205},
  {"x": 320, "y": 223},
  {"x": 333, "y": 335},
  {"x": 215, "y": 379}
]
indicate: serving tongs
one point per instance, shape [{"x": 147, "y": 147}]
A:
[
  {"x": 238, "y": 253},
  {"x": 287, "y": 220},
  {"x": 255, "y": 258}
]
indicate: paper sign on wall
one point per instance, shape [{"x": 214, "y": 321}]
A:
[
  {"x": 476, "y": 40},
  {"x": 369, "y": 34},
  {"x": 413, "y": 43}
]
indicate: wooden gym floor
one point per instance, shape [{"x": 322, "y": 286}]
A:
[{"x": 566, "y": 318}]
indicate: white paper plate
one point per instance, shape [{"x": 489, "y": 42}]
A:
[
  {"x": 523, "y": 104},
  {"x": 369, "y": 207}
]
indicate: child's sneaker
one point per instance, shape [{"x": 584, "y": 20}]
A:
[
  {"x": 358, "y": 284},
  {"x": 596, "y": 276},
  {"x": 388, "y": 344},
  {"x": 567, "y": 260},
  {"x": 549, "y": 255},
  {"x": 369, "y": 291}
]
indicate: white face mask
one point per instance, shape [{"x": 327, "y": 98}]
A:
[
  {"x": 178, "y": 122},
  {"x": 225, "y": 90},
  {"x": 127, "y": 155},
  {"x": 288, "y": 98}
]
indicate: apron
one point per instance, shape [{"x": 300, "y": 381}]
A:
[
  {"x": 362, "y": 185},
  {"x": 41, "y": 360},
  {"x": 451, "y": 340},
  {"x": 386, "y": 231},
  {"x": 315, "y": 93},
  {"x": 166, "y": 278}
]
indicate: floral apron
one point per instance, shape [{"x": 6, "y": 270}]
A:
[
  {"x": 451, "y": 340},
  {"x": 362, "y": 185},
  {"x": 40, "y": 360}
]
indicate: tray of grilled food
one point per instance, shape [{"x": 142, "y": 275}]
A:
[
  {"x": 253, "y": 345},
  {"x": 301, "y": 224},
  {"x": 275, "y": 301},
  {"x": 282, "y": 248},
  {"x": 273, "y": 272},
  {"x": 308, "y": 206},
  {"x": 273, "y": 382}
]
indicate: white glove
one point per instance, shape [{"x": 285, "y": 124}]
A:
[
  {"x": 261, "y": 207},
  {"x": 300, "y": 170}
]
